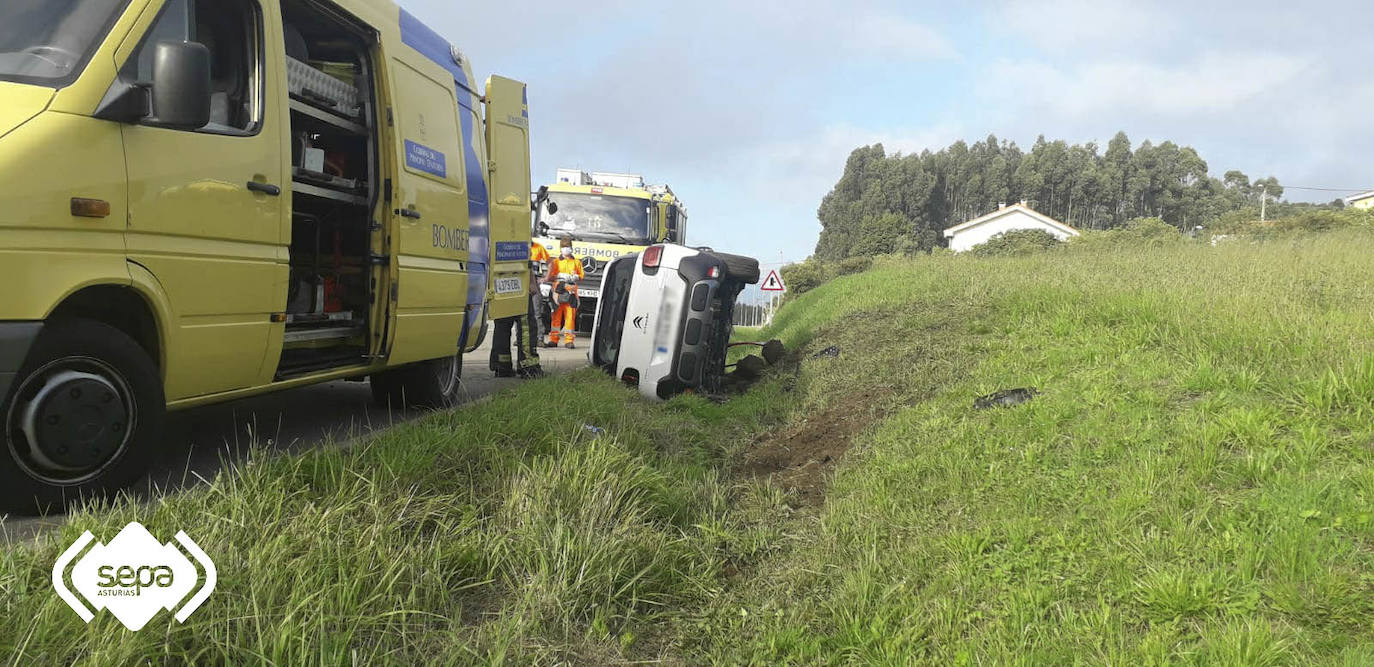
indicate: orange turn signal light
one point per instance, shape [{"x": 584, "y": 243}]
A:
[
  {"x": 90, "y": 208},
  {"x": 278, "y": 318}
]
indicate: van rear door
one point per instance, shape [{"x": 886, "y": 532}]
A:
[{"x": 508, "y": 140}]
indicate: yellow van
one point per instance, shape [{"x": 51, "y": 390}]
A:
[{"x": 210, "y": 199}]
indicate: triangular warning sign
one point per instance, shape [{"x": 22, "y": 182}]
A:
[{"x": 773, "y": 283}]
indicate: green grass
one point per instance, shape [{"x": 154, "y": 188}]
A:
[
  {"x": 504, "y": 531},
  {"x": 1193, "y": 485}
]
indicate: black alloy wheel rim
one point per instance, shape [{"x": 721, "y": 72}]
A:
[{"x": 70, "y": 421}]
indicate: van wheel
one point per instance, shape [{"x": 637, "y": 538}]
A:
[
  {"x": 82, "y": 421},
  {"x": 431, "y": 385},
  {"x": 739, "y": 267}
]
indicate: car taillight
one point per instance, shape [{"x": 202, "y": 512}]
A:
[
  {"x": 713, "y": 272},
  {"x": 652, "y": 256}
]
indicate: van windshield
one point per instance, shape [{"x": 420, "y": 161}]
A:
[
  {"x": 47, "y": 42},
  {"x": 599, "y": 217}
]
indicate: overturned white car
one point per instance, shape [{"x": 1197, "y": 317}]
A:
[{"x": 664, "y": 320}]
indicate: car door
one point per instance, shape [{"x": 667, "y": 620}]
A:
[{"x": 205, "y": 211}]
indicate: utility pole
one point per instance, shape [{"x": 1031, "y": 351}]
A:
[{"x": 1264, "y": 199}]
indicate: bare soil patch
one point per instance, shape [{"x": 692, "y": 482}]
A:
[{"x": 801, "y": 459}]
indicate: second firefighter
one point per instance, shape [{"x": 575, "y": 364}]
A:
[{"x": 564, "y": 274}]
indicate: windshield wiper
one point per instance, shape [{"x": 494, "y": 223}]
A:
[{"x": 618, "y": 237}]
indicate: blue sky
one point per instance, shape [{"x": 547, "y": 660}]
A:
[{"x": 748, "y": 110}]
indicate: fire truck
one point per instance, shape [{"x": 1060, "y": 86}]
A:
[{"x": 607, "y": 215}]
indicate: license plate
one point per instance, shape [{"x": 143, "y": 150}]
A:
[
  {"x": 589, "y": 293},
  {"x": 509, "y": 286}
]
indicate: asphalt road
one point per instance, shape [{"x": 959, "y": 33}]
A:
[{"x": 203, "y": 438}]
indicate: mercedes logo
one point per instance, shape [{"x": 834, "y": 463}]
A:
[{"x": 588, "y": 264}]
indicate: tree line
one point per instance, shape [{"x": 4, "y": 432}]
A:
[{"x": 885, "y": 203}]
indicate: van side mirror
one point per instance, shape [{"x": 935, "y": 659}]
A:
[
  {"x": 181, "y": 85},
  {"x": 553, "y": 207}
]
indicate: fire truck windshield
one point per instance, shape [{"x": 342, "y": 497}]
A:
[{"x": 624, "y": 219}]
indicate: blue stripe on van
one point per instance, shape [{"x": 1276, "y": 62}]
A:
[
  {"x": 479, "y": 224},
  {"x": 431, "y": 45}
]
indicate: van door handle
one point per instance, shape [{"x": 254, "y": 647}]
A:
[
  {"x": 409, "y": 213},
  {"x": 265, "y": 188}
]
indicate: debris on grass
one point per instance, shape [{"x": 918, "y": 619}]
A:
[
  {"x": 773, "y": 352},
  {"x": 830, "y": 352},
  {"x": 750, "y": 368},
  {"x": 1006, "y": 398}
]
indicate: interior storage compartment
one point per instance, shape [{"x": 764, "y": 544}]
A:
[
  {"x": 325, "y": 84},
  {"x": 334, "y": 186}
]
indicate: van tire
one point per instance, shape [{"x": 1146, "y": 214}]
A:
[
  {"x": 429, "y": 385},
  {"x": 739, "y": 267},
  {"x": 69, "y": 363}
]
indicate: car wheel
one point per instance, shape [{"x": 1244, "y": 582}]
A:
[
  {"x": 739, "y": 267},
  {"x": 432, "y": 385},
  {"x": 83, "y": 419}
]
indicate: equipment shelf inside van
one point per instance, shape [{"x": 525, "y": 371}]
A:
[{"x": 330, "y": 79}]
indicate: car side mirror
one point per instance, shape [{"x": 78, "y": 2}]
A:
[
  {"x": 181, "y": 85},
  {"x": 553, "y": 207}
]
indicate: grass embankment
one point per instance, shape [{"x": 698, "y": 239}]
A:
[
  {"x": 1195, "y": 483},
  {"x": 501, "y": 530}
]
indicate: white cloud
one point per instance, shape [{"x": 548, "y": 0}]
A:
[
  {"x": 1074, "y": 25},
  {"x": 893, "y": 38},
  {"x": 789, "y": 177},
  {"x": 1213, "y": 83},
  {"x": 815, "y": 162}
]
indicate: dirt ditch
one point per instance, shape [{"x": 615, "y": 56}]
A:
[{"x": 801, "y": 459}]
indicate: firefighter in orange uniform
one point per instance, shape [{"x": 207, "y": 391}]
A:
[{"x": 564, "y": 274}]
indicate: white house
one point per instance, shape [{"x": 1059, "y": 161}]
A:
[
  {"x": 1363, "y": 200},
  {"x": 1005, "y": 219}
]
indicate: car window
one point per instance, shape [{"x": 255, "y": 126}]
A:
[
  {"x": 615, "y": 298},
  {"x": 231, "y": 30}
]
